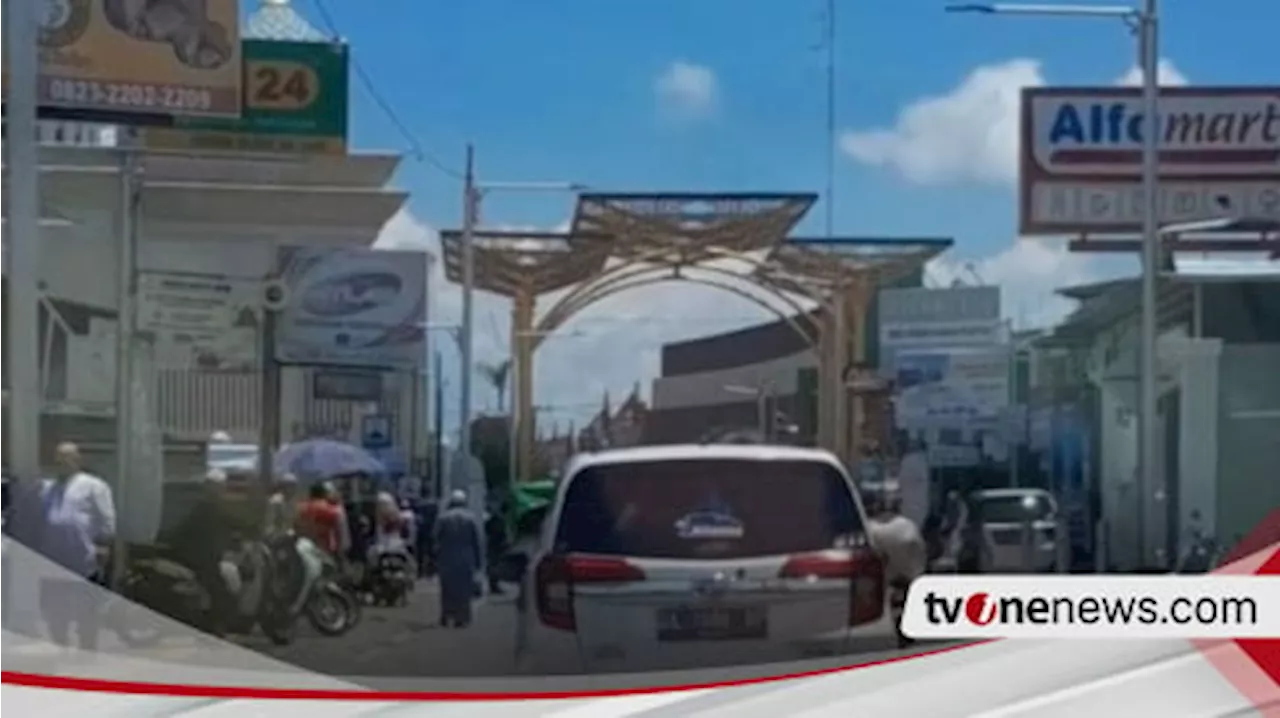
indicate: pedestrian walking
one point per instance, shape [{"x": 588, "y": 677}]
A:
[
  {"x": 495, "y": 528},
  {"x": 458, "y": 560},
  {"x": 77, "y": 524}
]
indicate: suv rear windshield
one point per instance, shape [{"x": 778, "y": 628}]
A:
[
  {"x": 1008, "y": 509},
  {"x": 708, "y": 509}
]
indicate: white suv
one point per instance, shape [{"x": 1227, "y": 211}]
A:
[{"x": 672, "y": 557}]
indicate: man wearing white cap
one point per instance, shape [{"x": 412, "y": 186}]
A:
[{"x": 459, "y": 556}]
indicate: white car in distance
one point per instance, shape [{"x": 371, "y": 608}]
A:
[
  {"x": 672, "y": 557},
  {"x": 1004, "y": 514}
]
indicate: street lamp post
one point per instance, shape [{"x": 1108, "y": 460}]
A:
[
  {"x": 472, "y": 193},
  {"x": 1145, "y": 22}
]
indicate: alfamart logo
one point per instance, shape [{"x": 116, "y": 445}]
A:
[{"x": 1093, "y": 607}]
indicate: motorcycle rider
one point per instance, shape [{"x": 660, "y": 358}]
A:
[
  {"x": 897, "y": 537},
  {"x": 321, "y": 520},
  {"x": 210, "y": 531},
  {"x": 389, "y": 529},
  {"x": 903, "y": 546},
  {"x": 282, "y": 507}
]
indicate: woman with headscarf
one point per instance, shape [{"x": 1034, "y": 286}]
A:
[
  {"x": 458, "y": 559},
  {"x": 388, "y": 527}
]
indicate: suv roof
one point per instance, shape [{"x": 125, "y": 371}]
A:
[{"x": 685, "y": 452}]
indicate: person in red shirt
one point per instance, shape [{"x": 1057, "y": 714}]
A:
[{"x": 320, "y": 520}]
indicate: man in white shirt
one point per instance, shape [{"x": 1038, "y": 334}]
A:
[{"x": 76, "y": 528}]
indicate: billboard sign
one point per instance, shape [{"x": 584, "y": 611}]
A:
[
  {"x": 1081, "y": 157},
  {"x": 113, "y": 61},
  {"x": 953, "y": 388},
  {"x": 916, "y": 319},
  {"x": 351, "y": 307},
  {"x": 200, "y": 321},
  {"x": 295, "y": 101}
]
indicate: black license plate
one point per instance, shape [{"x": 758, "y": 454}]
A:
[
  {"x": 711, "y": 623},
  {"x": 1007, "y": 537}
]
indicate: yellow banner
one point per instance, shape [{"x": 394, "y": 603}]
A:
[{"x": 168, "y": 57}]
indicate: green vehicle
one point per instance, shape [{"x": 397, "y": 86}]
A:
[{"x": 530, "y": 502}]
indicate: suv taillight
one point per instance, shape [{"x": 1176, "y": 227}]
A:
[
  {"x": 862, "y": 567},
  {"x": 556, "y": 576}
]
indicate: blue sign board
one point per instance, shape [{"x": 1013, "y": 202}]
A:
[{"x": 375, "y": 431}]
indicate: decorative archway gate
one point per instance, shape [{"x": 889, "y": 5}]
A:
[{"x": 734, "y": 242}]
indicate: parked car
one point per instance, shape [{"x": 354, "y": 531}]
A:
[
  {"x": 1001, "y": 515},
  {"x": 672, "y": 557}
]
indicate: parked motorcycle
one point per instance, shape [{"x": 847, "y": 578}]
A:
[
  {"x": 391, "y": 578},
  {"x": 330, "y": 606},
  {"x": 254, "y": 577}
]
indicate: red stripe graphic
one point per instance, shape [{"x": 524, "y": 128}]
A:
[
  {"x": 36, "y": 680},
  {"x": 1182, "y": 157}
]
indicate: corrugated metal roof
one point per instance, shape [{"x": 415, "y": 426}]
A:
[
  {"x": 1117, "y": 300},
  {"x": 277, "y": 20}
]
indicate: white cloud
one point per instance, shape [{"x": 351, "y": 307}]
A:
[
  {"x": 687, "y": 91},
  {"x": 1029, "y": 273},
  {"x": 969, "y": 133},
  {"x": 1167, "y": 72}
]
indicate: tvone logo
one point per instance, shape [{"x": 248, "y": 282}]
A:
[{"x": 980, "y": 609}]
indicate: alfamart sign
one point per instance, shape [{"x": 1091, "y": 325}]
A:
[{"x": 1081, "y": 157}]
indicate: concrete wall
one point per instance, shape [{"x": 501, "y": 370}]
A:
[
  {"x": 1248, "y": 463},
  {"x": 708, "y": 388}
]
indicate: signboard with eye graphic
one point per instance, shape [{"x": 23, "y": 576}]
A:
[
  {"x": 139, "y": 61},
  {"x": 295, "y": 102},
  {"x": 351, "y": 307}
]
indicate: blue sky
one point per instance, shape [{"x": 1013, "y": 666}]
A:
[
  {"x": 565, "y": 89},
  {"x": 570, "y": 89}
]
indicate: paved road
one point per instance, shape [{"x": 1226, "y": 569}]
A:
[{"x": 408, "y": 641}]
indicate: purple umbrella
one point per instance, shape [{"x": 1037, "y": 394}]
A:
[{"x": 320, "y": 459}]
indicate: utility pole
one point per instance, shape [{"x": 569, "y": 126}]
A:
[
  {"x": 1150, "y": 62},
  {"x": 24, "y": 398},
  {"x": 470, "y": 214},
  {"x": 126, "y": 296},
  {"x": 437, "y": 451},
  {"x": 22, "y": 270}
]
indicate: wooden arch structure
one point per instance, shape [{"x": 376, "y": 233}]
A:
[{"x": 735, "y": 242}]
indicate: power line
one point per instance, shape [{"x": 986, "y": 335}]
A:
[
  {"x": 831, "y": 117},
  {"x": 420, "y": 153}
]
